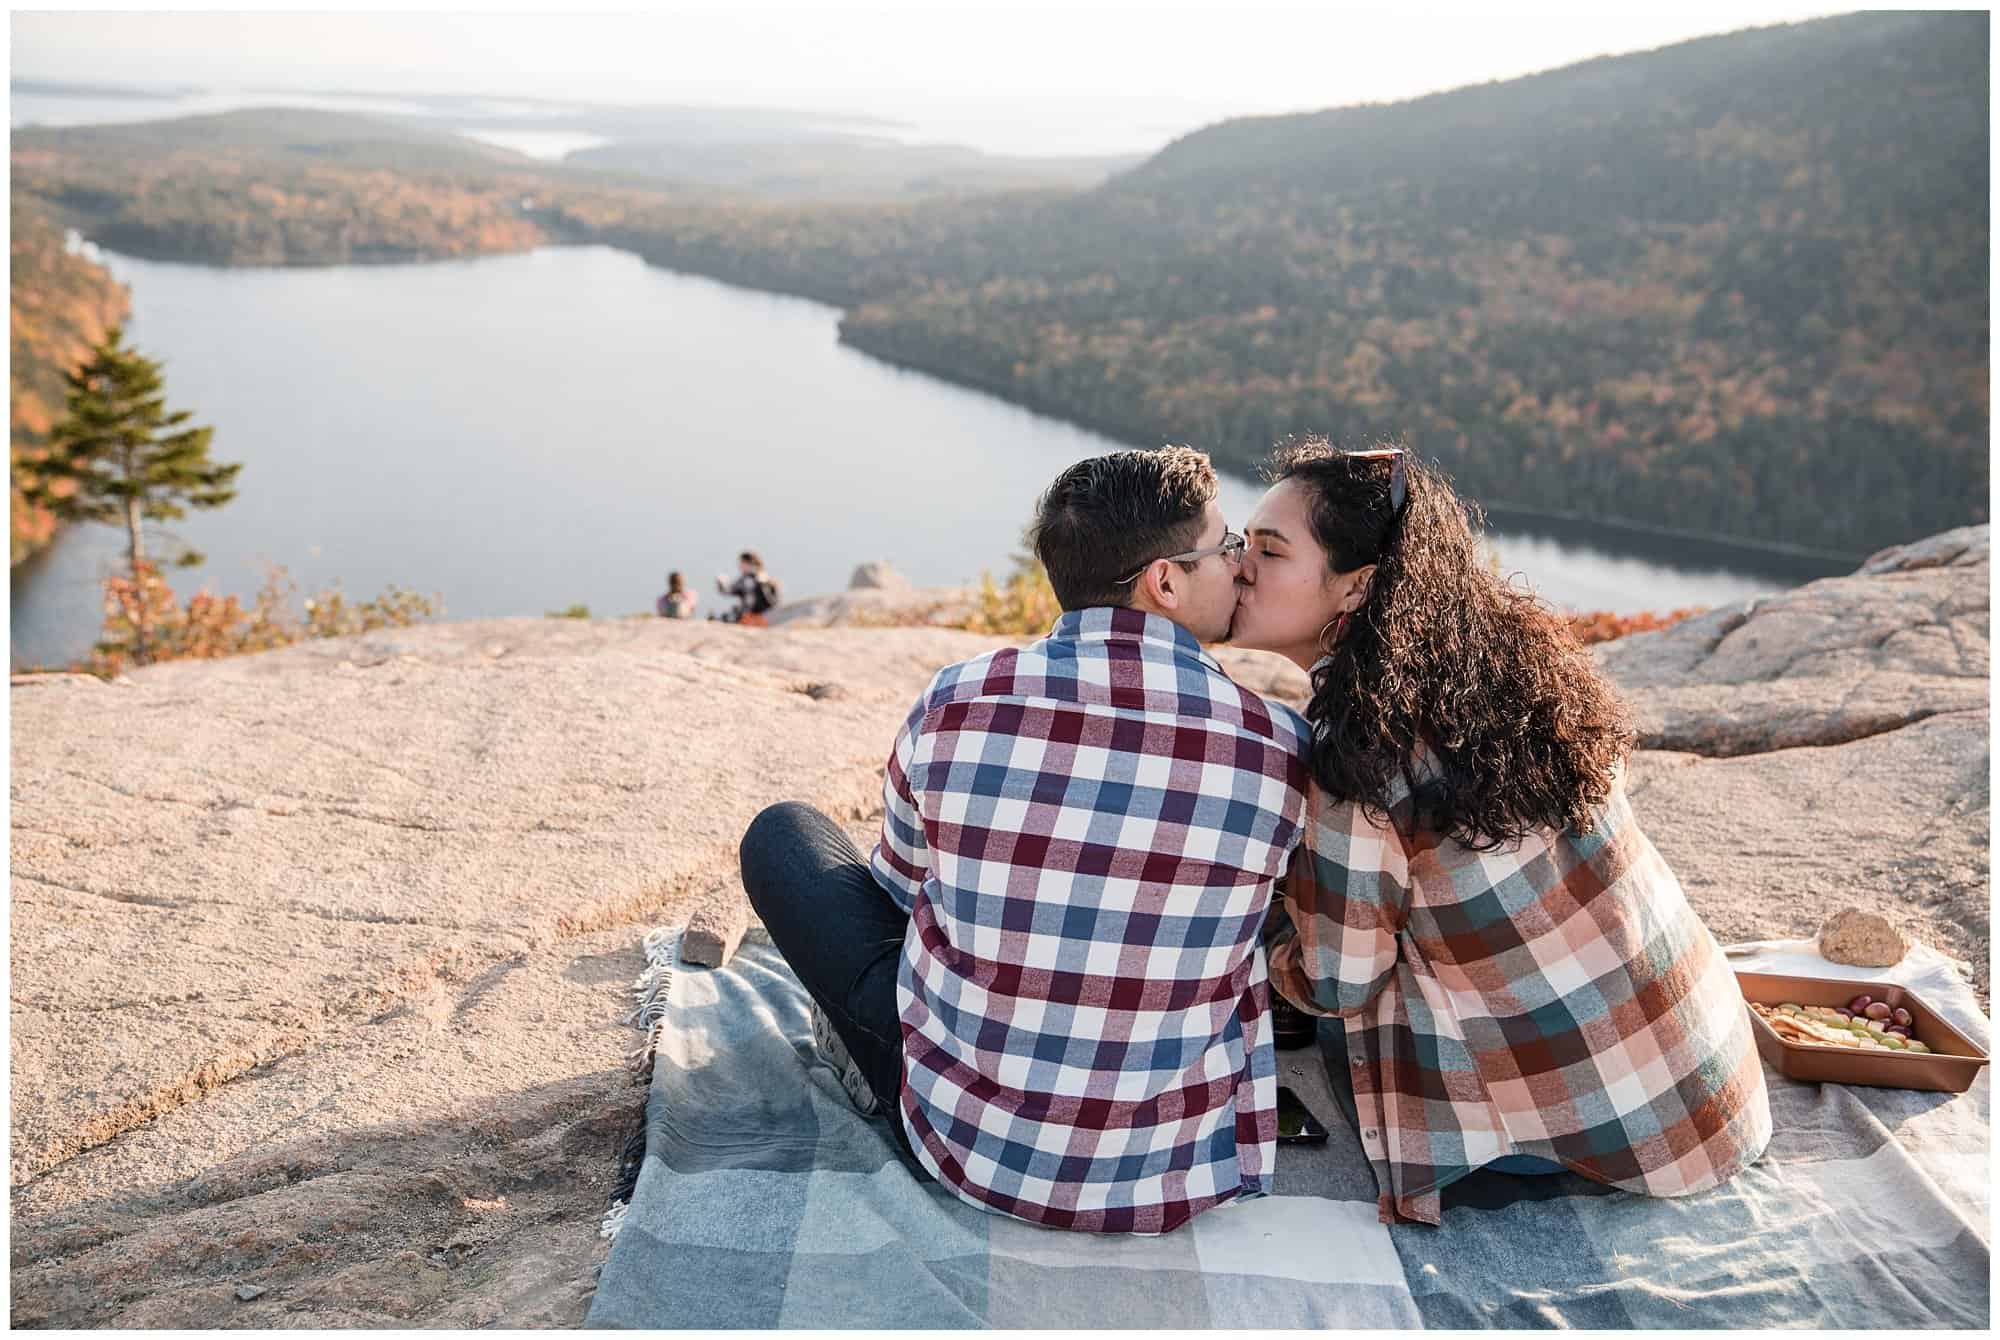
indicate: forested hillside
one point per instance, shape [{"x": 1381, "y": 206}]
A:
[
  {"x": 1735, "y": 286},
  {"x": 1738, "y": 285},
  {"x": 61, "y": 304},
  {"x": 274, "y": 186}
]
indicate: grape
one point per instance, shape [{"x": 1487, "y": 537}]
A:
[
  {"x": 1902, "y": 1017},
  {"x": 1917, "y": 1047},
  {"x": 1899, "y": 1031},
  {"x": 1860, "y": 1003},
  {"x": 1878, "y": 1010},
  {"x": 1844, "y": 1014}
]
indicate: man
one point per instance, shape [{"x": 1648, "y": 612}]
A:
[{"x": 1050, "y": 970}]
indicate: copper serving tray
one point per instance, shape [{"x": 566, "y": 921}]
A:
[{"x": 1950, "y": 1067}]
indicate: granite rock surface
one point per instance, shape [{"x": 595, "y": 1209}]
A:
[{"x": 320, "y": 957}]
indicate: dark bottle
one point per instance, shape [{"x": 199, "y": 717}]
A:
[{"x": 1291, "y": 1027}]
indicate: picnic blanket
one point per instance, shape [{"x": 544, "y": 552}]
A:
[{"x": 762, "y": 1200}]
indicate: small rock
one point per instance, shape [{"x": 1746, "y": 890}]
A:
[
  {"x": 877, "y": 577},
  {"x": 1861, "y": 938},
  {"x": 247, "y": 1292},
  {"x": 714, "y": 932},
  {"x": 825, "y": 693}
]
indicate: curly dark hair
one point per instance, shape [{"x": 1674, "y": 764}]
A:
[{"x": 1442, "y": 653}]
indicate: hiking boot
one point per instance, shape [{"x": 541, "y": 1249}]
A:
[{"x": 830, "y": 1049}]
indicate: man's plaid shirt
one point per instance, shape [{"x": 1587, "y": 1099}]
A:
[
  {"x": 1557, "y": 998},
  {"x": 1085, "y": 832}
]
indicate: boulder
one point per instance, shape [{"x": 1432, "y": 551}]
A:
[
  {"x": 878, "y": 576},
  {"x": 1825, "y": 747},
  {"x": 1834, "y": 661},
  {"x": 879, "y": 607}
]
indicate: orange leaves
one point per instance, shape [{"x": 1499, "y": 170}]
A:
[
  {"x": 61, "y": 305},
  {"x": 1604, "y": 626},
  {"x": 144, "y": 623}
]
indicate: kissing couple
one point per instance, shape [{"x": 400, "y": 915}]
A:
[{"x": 1100, "y": 855}]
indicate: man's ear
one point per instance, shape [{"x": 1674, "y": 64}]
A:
[{"x": 1159, "y": 586}]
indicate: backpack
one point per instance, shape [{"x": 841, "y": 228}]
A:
[{"x": 766, "y": 596}]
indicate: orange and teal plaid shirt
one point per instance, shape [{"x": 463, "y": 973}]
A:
[{"x": 1558, "y": 998}]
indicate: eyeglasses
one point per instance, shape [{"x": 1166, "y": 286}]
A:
[
  {"x": 1231, "y": 549},
  {"x": 1399, "y": 482}
]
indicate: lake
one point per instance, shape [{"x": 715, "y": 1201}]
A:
[{"x": 520, "y": 434}]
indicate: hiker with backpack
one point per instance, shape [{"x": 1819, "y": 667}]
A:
[{"x": 756, "y": 592}]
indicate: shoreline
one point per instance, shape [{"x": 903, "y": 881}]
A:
[
  {"x": 1767, "y": 550},
  {"x": 1786, "y": 558}
]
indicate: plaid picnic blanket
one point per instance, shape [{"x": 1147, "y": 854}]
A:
[{"x": 762, "y": 1200}]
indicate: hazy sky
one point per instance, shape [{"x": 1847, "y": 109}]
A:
[{"x": 1149, "y": 68}]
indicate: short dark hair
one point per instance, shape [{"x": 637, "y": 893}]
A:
[
  {"x": 1108, "y": 516},
  {"x": 750, "y": 556}
]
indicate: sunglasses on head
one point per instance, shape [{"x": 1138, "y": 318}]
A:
[{"x": 1399, "y": 481}]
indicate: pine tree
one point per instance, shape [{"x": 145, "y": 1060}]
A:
[{"x": 118, "y": 455}]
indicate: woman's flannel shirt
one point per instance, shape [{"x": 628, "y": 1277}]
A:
[{"x": 1557, "y": 998}]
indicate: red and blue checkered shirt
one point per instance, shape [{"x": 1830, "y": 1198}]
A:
[{"x": 1085, "y": 832}]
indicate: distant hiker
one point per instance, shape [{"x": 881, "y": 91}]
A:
[
  {"x": 678, "y": 602},
  {"x": 756, "y": 591}
]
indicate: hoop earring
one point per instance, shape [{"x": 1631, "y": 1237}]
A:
[{"x": 1338, "y": 623}]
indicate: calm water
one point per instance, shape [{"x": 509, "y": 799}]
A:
[{"x": 524, "y": 433}]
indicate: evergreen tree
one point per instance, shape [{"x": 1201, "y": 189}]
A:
[{"x": 119, "y": 455}]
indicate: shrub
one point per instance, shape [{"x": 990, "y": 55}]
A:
[
  {"x": 1604, "y": 626},
  {"x": 1026, "y": 605},
  {"x": 209, "y": 626}
]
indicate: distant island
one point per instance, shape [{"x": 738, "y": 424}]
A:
[{"x": 1734, "y": 287}]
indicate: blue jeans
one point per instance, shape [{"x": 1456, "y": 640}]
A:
[{"x": 840, "y": 933}]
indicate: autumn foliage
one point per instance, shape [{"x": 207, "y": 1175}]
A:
[
  {"x": 61, "y": 304},
  {"x": 1604, "y": 626},
  {"x": 143, "y": 612}
]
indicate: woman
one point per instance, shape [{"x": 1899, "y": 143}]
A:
[
  {"x": 1519, "y": 977},
  {"x": 678, "y": 602}
]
